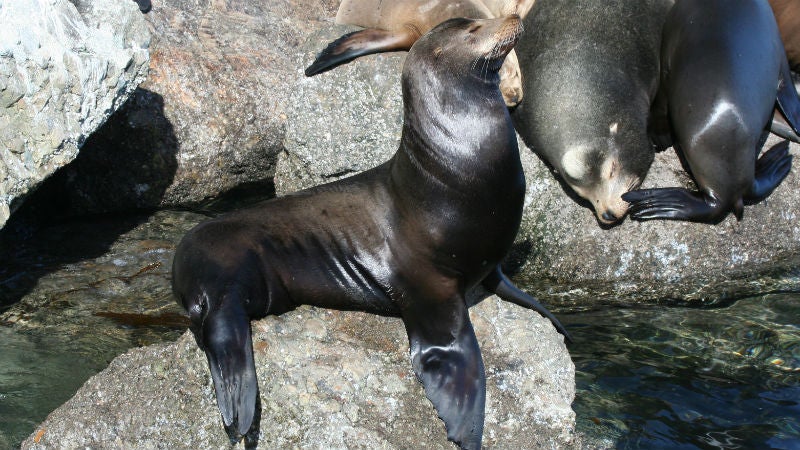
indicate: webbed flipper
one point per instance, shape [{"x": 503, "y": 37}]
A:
[
  {"x": 771, "y": 168},
  {"x": 360, "y": 43},
  {"x": 675, "y": 204},
  {"x": 498, "y": 283},
  {"x": 447, "y": 360}
]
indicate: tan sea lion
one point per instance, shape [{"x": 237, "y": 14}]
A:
[{"x": 396, "y": 25}]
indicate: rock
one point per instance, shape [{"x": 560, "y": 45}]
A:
[
  {"x": 211, "y": 116},
  {"x": 65, "y": 66},
  {"x": 227, "y": 106},
  {"x": 346, "y": 120},
  {"x": 328, "y": 379},
  {"x": 350, "y": 122}
]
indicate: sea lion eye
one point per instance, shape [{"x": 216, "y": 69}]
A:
[{"x": 475, "y": 28}]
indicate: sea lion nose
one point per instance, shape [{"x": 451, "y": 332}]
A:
[{"x": 609, "y": 216}]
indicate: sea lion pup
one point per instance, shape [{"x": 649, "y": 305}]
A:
[
  {"x": 723, "y": 72},
  {"x": 408, "y": 238},
  {"x": 396, "y": 25},
  {"x": 591, "y": 72}
]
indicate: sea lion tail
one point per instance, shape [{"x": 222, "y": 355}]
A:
[
  {"x": 359, "y": 43},
  {"x": 788, "y": 100},
  {"x": 498, "y": 283}
]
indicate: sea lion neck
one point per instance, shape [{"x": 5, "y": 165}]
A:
[{"x": 435, "y": 105}]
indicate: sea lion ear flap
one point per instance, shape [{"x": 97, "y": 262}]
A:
[{"x": 447, "y": 360}]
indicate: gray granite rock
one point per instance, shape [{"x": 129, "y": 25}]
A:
[
  {"x": 328, "y": 379},
  {"x": 211, "y": 116},
  {"x": 65, "y": 66}
]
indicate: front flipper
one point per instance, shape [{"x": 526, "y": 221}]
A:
[
  {"x": 675, "y": 204},
  {"x": 226, "y": 338},
  {"x": 360, "y": 43},
  {"x": 771, "y": 168},
  {"x": 447, "y": 360},
  {"x": 498, "y": 283}
]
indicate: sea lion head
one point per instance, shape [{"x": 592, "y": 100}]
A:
[
  {"x": 468, "y": 48},
  {"x": 602, "y": 170},
  {"x": 221, "y": 327}
]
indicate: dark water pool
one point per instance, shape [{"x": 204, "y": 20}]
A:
[
  {"x": 687, "y": 378},
  {"x": 726, "y": 377}
]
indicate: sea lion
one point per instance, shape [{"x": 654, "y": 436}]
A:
[
  {"x": 396, "y": 25},
  {"x": 407, "y": 238},
  {"x": 591, "y": 73},
  {"x": 723, "y": 72},
  {"x": 144, "y": 5},
  {"x": 787, "y": 15}
]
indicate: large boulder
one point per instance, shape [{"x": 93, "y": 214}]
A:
[
  {"x": 65, "y": 66},
  {"x": 211, "y": 116},
  {"x": 328, "y": 379}
]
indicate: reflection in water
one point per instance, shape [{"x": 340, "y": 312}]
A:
[{"x": 677, "y": 377}]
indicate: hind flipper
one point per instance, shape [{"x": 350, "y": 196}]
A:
[
  {"x": 447, "y": 360},
  {"x": 360, "y": 43},
  {"x": 498, "y": 283},
  {"x": 675, "y": 204},
  {"x": 781, "y": 128},
  {"x": 771, "y": 168},
  {"x": 788, "y": 100}
]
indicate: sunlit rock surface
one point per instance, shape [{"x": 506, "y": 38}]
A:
[
  {"x": 65, "y": 66},
  {"x": 328, "y": 379}
]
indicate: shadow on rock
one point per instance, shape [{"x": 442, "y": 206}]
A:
[{"x": 124, "y": 168}]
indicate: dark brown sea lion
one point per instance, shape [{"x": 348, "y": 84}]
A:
[
  {"x": 408, "y": 238},
  {"x": 144, "y": 5},
  {"x": 724, "y": 70},
  {"x": 591, "y": 70},
  {"x": 396, "y": 25}
]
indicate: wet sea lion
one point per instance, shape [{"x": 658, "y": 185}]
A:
[
  {"x": 396, "y": 25},
  {"x": 408, "y": 238},
  {"x": 591, "y": 70},
  {"x": 724, "y": 71},
  {"x": 144, "y": 5}
]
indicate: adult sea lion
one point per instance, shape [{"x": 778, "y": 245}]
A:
[
  {"x": 723, "y": 72},
  {"x": 407, "y": 238},
  {"x": 591, "y": 73},
  {"x": 396, "y": 25}
]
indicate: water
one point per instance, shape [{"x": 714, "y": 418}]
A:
[
  {"x": 673, "y": 377},
  {"x": 688, "y": 378}
]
